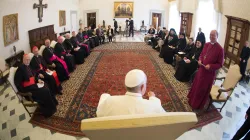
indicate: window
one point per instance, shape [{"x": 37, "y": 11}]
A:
[
  {"x": 174, "y": 17},
  {"x": 206, "y": 18}
]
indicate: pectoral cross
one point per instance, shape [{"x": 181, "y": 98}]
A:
[{"x": 40, "y": 7}]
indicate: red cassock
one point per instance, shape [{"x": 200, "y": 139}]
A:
[{"x": 212, "y": 54}]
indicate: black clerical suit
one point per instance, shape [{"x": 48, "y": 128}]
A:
[
  {"x": 61, "y": 66},
  {"x": 38, "y": 65},
  {"x": 244, "y": 130},
  {"x": 60, "y": 50},
  {"x": 26, "y": 81},
  {"x": 116, "y": 26},
  {"x": 79, "y": 54},
  {"x": 131, "y": 28},
  {"x": 201, "y": 37},
  {"x": 244, "y": 59}
]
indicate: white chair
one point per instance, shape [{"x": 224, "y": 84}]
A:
[
  {"x": 31, "y": 55},
  {"x": 21, "y": 96},
  {"x": 40, "y": 52},
  {"x": 222, "y": 93},
  {"x": 53, "y": 43},
  {"x": 167, "y": 126},
  {"x": 4, "y": 71}
]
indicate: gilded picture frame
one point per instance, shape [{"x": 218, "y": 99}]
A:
[
  {"x": 62, "y": 18},
  {"x": 10, "y": 29},
  {"x": 123, "y": 9}
]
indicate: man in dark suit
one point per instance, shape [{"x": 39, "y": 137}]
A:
[
  {"x": 100, "y": 34},
  {"x": 131, "y": 27},
  {"x": 244, "y": 130},
  {"x": 115, "y": 26},
  {"x": 159, "y": 35},
  {"x": 201, "y": 36}
]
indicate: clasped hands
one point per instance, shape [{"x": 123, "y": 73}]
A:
[
  {"x": 186, "y": 60},
  {"x": 207, "y": 67}
]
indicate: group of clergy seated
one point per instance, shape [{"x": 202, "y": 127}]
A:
[
  {"x": 176, "y": 51},
  {"x": 42, "y": 75}
]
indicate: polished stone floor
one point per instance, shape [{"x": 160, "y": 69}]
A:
[{"x": 14, "y": 119}]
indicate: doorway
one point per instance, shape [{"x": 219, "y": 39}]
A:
[
  {"x": 91, "y": 20},
  {"x": 156, "y": 19},
  {"x": 73, "y": 20}
]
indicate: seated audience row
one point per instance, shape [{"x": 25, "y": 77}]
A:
[{"x": 42, "y": 75}]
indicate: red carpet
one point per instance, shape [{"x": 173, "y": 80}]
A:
[{"x": 106, "y": 75}]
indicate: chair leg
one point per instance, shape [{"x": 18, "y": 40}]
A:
[
  {"x": 223, "y": 106},
  {"x": 210, "y": 103},
  {"x": 27, "y": 110}
]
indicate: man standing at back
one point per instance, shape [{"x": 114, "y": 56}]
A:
[
  {"x": 132, "y": 102},
  {"x": 211, "y": 59},
  {"x": 201, "y": 36},
  {"x": 115, "y": 26},
  {"x": 131, "y": 27}
]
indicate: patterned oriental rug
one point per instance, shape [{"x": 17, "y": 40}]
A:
[{"x": 104, "y": 72}]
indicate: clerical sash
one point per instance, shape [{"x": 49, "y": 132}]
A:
[
  {"x": 56, "y": 78},
  {"x": 29, "y": 83},
  {"x": 54, "y": 57}
]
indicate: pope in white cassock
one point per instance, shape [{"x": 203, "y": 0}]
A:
[{"x": 132, "y": 102}]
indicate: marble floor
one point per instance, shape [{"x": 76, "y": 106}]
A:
[{"x": 14, "y": 120}]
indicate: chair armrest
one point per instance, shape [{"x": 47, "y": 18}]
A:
[
  {"x": 221, "y": 78},
  {"x": 28, "y": 94},
  {"x": 223, "y": 90}
]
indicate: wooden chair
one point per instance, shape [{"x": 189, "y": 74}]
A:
[
  {"x": 167, "y": 126},
  {"x": 4, "y": 71},
  {"x": 21, "y": 96},
  {"x": 223, "y": 93}
]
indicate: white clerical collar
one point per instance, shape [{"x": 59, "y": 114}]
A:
[
  {"x": 213, "y": 43},
  {"x": 133, "y": 94}
]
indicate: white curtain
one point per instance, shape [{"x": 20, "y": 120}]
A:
[
  {"x": 207, "y": 18},
  {"x": 174, "y": 17}
]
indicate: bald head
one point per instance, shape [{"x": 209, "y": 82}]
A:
[
  {"x": 26, "y": 59},
  {"x": 213, "y": 36},
  {"x": 60, "y": 39},
  {"x": 47, "y": 42},
  {"x": 67, "y": 36}
]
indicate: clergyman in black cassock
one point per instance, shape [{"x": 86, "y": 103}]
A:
[
  {"x": 60, "y": 51},
  {"x": 74, "y": 50},
  {"x": 84, "y": 44},
  {"x": 57, "y": 63},
  {"x": 244, "y": 56},
  {"x": 26, "y": 81},
  {"x": 39, "y": 67}
]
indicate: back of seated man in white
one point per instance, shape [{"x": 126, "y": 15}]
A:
[{"x": 132, "y": 102}]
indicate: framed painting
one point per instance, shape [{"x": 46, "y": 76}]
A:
[
  {"x": 62, "y": 18},
  {"x": 123, "y": 9},
  {"x": 10, "y": 29}
]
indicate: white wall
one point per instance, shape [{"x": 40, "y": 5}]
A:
[
  {"x": 239, "y": 8},
  {"x": 142, "y": 10},
  {"x": 28, "y": 19}
]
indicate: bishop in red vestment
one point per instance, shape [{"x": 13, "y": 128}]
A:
[{"x": 210, "y": 60}]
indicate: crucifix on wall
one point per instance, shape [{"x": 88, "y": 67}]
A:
[{"x": 40, "y": 7}]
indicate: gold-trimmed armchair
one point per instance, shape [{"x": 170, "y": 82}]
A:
[{"x": 222, "y": 93}]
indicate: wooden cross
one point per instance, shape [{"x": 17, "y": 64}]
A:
[{"x": 40, "y": 7}]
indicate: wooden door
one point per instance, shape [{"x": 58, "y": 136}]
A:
[
  {"x": 237, "y": 34},
  {"x": 91, "y": 20},
  {"x": 156, "y": 19}
]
